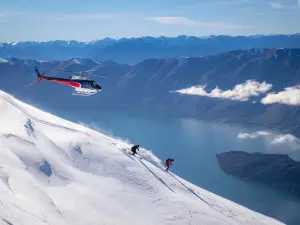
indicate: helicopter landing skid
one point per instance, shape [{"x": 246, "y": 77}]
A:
[{"x": 84, "y": 92}]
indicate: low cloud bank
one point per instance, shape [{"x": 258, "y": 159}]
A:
[
  {"x": 285, "y": 139},
  {"x": 241, "y": 92},
  {"x": 275, "y": 140},
  {"x": 252, "y": 135},
  {"x": 274, "y": 143},
  {"x": 290, "y": 96}
]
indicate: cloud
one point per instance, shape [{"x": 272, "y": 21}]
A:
[
  {"x": 252, "y": 135},
  {"x": 277, "y": 6},
  {"x": 290, "y": 96},
  {"x": 217, "y": 3},
  {"x": 174, "y": 20},
  {"x": 284, "y": 139},
  {"x": 168, "y": 20},
  {"x": 288, "y": 5},
  {"x": 281, "y": 139},
  {"x": 286, "y": 144},
  {"x": 240, "y": 92}
]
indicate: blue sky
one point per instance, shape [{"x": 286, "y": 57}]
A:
[{"x": 42, "y": 20}]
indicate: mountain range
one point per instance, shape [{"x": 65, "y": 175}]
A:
[
  {"x": 252, "y": 87},
  {"x": 135, "y": 50}
]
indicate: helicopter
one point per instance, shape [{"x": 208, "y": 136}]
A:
[{"x": 82, "y": 85}]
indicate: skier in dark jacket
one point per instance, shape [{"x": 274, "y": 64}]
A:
[
  {"x": 169, "y": 163},
  {"x": 135, "y": 148}
]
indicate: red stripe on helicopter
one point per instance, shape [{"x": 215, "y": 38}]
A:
[{"x": 69, "y": 83}]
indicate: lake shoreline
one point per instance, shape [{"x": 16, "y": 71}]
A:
[{"x": 274, "y": 170}]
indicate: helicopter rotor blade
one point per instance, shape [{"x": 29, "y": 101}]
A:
[
  {"x": 81, "y": 73},
  {"x": 78, "y": 72},
  {"x": 68, "y": 71}
]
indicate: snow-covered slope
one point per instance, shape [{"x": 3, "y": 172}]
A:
[{"x": 53, "y": 171}]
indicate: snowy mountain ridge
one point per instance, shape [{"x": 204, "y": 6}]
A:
[
  {"x": 137, "y": 49},
  {"x": 144, "y": 38},
  {"x": 53, "y": 171}
]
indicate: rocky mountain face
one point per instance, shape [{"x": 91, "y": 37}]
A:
[
  {"x": 235, "y": 82},
  {"x": 279, "y": 171},
  {"x": 134, "y": 50}
]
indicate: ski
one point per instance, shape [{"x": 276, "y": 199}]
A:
[{"x": 137, "y": 156}]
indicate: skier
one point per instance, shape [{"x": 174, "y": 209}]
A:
[
  {"x": 134, "y": 148},
  {"x": 169, "y": 163}
]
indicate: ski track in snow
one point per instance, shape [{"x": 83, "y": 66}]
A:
[{"x": 53, "y": 171}]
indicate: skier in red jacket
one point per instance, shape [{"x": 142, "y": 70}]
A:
[{"x": 169, "y": 163}]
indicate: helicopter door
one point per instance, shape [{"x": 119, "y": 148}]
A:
[{"x": 85, "y": 84}]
